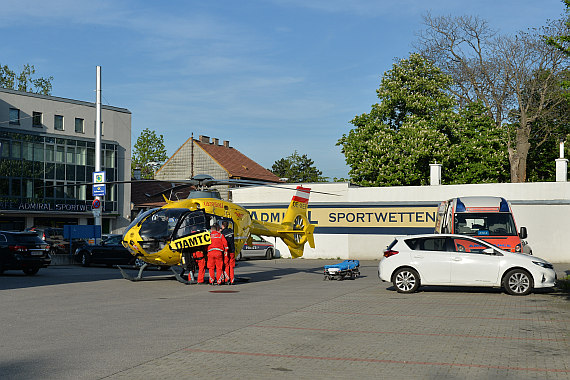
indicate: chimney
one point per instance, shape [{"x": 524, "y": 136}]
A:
[
  {"x": 561, "y": 165},
  {"x": 227, "y": 143},
  {"x": 216, "y": 141},
  {"x": 204, "y": 139},
  {"x": 435, "y": 174}
]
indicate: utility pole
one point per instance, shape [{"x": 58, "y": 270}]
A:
[{"x": 97, "y": 215}]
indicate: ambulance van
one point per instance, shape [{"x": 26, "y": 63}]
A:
[{"x": 487, "y": 218}]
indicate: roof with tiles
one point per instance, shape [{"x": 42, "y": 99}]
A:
[{"x": 234, "y": 162}]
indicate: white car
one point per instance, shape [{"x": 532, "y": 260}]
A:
[{"x": 444, "y": 259}]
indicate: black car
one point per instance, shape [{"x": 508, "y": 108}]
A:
[
  {"x": 109, "y": 251},
  {"x": 23, "y": 251},
  {"x": 54, "y": 237}
]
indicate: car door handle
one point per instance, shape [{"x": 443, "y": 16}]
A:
[
  {"x": 457, "y": 259},
  {"x": 418, "y": 257}
]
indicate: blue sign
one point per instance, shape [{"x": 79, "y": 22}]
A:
[{"x": 99, "y": 190}]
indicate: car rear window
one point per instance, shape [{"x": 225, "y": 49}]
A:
[
  {"x": 427, "y": 244},
  {"x": 31, "y": 238}
]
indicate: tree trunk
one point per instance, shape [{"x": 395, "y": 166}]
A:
[{"x": 518, "y": 155}]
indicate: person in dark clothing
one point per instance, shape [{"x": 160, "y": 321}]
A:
[{"x": 230, "y": 258}]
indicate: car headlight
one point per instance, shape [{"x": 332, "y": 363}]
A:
[{"x": 544, "y": 265}]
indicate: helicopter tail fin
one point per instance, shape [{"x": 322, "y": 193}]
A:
[{"x": 296, "y": 228}]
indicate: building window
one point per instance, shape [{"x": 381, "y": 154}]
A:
[
  {"x": 58, "y": 123},
  {"x": 79, "y": 125},
  {"x": 36, "y": 119},
  {"x": 14, "y": 116}
]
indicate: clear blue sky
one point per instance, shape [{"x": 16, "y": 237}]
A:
[{"x": 271, "y": 76}]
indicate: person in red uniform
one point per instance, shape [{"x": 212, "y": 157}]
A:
[
  {"x": 217, "y": 249},
  {"x": 201, "y": 261},
  {"x": 230, "y": 258}
]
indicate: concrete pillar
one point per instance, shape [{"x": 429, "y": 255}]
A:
[
  {"x": 561, "y": 169},
  {"x": 434, "y": 174}
]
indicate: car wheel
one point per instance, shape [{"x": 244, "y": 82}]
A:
[
  {"x": 517, "y": 282},
  {"x": 85, "y": 259},
  {"x": 30, "y": 271},
  {"x": 406, "y": 280},
  {"x": 269, "y": 254}
]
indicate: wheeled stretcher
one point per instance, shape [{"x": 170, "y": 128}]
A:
[{"x": 348, "y": 268}]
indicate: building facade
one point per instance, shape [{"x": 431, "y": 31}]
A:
[{"x": 47, "y": 148}]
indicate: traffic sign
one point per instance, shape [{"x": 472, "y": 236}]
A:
[
  {"x": 99, "y": 190},
  {"x": 99, "y": 177},
  {"x": 96, "y": 203}
]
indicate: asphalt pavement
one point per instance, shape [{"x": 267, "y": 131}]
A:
[{"x": 70, "y": 322}]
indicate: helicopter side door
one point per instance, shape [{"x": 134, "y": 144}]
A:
[{"x": 191, "y": 232}]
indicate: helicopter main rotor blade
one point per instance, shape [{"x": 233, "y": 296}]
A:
[{"x": 201, "y": 180}]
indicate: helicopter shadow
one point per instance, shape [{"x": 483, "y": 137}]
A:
[{"x": 70, "y": 274}]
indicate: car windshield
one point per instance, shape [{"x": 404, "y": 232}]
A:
[
  {"x": 113, "y": 239},
  {"x": 485, "y": 224}
]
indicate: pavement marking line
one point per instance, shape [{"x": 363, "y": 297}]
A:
[
  {"x": 430, "y": 316},
  {"x": 454, "y": 304},
  {"x": 408, "y": 333},
  {"x": 408, "y": 362}
]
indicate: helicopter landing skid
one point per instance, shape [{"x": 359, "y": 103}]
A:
[
  {"x": 131, "y": 278},
  {"x": 181, "y": 279}
]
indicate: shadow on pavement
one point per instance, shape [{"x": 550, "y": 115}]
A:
[{"x": 56, "y": 275}]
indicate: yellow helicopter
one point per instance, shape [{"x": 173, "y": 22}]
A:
[{"x": 167, "y": 236}]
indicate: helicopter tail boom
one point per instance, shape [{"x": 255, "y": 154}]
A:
[{"x": 295, "y": 229}]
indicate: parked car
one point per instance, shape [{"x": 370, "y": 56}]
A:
[
  {"x": 109, "y": 251},
  {"x": 54, "y": 237},
  {"x": 23, "y": 251},
  {"x": 259, "y": 248},
  {"x": 460, "y": 260}
]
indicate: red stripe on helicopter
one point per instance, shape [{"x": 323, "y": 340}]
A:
[{"x": 302, "y": 194}]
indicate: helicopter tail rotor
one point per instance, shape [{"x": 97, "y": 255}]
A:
[{"x": 295, "y": 229}]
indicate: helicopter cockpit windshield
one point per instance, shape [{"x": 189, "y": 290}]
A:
[{"x": 161, "y": 224}]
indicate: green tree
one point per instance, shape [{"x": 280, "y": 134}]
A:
[
  {"x": 149, "y": 151},
  {"x": 297, "y": 168},
  {"x": 25, "y": 81},
  {"x": 514, "y": 76},
  {"x": 416, "y": 123},
  {"x": 478, "y": 153}
]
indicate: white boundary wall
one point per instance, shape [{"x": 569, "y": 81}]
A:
[{"x": 544, "y": 208}]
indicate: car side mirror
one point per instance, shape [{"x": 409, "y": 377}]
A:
[
  {"x": 489, "y": 251},
  {"x": 523, "y": 234}
]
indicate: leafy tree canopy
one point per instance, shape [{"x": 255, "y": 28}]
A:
[
  {"x": 25, "y": 81},
  {"x": 416, "y": 123},
  {"x": 297, "y": 168},
  {"x": 149, "y": 152}
]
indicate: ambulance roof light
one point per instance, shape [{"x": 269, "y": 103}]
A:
[
  {"x": 460, "y": 206},
  {"x": 504, "y": 207}
]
